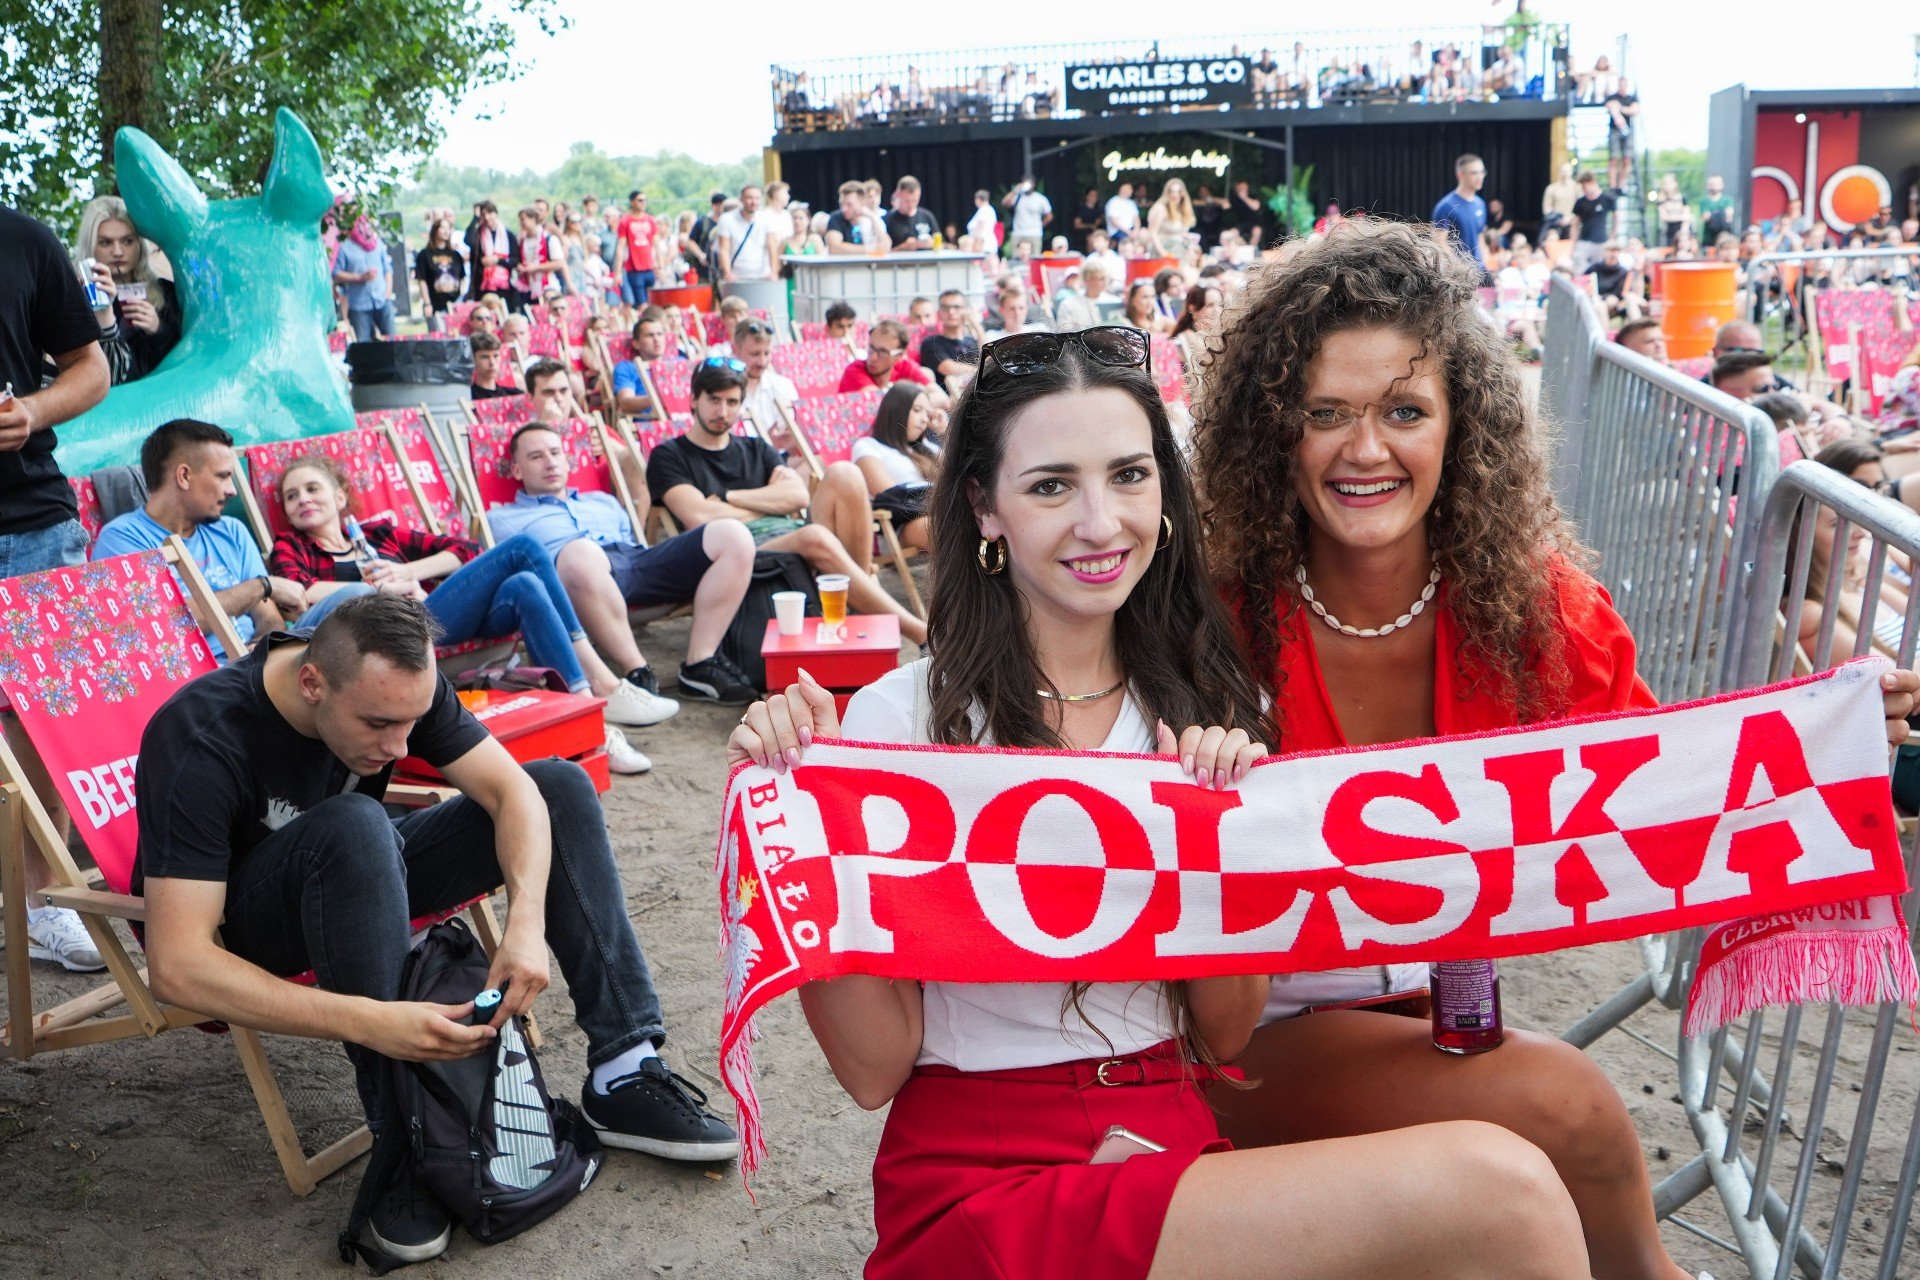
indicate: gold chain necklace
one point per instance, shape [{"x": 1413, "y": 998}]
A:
[{"x": 1082, "y": 697}]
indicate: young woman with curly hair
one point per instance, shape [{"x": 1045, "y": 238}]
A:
[
  {"x": 1375, "y": 489},
  {"x": 1071, "y": 612}
]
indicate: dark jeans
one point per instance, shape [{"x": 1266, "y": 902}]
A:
[
  {"x": 640, "y": 286},
  {"x": 513, "y": 587},
  {"x": 334, "y": 889},
  {"x": 367, "y": 323}
]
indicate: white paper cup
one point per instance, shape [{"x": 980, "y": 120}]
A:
[{"x": 789, "y": 610}]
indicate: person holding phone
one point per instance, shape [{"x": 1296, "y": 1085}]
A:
[
  {"x": 138, "y": 313},
  {"x": 1073, "y": 613}
]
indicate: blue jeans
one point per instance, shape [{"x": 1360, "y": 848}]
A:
[
  {"x": 513, "y": 587},
  {"x": 58, "y": 546},
  {"x": 639, "y": 284},
  {"x": 366, "y": 322},
  {"x": 333, "y": 890},
  {"x": 305, "y": 624}
]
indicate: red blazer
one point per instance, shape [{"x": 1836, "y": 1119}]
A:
[{"x": 1600, "y": 670}]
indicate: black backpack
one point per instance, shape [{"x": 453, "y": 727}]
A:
[
  {"x": 480, "y": 1134},
  {"x": 772, "y": 571}
]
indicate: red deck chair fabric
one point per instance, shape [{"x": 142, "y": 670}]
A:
[
  {"x": 504, "y": 410},
  {"x": 815, "y": 367},
  {"x": 1169, "y": 372},
  {"x": 1881, "y": 354},
  {"x": 673, "y": 379},
  {"x": 816, "y": 331},
  {"x": 619, "y": 346},
  {"x": 88, "y": 502},
  {"x": 363, "y": 453},
  {"x": 832, "y": 423},
  {"x": 546, "y": 340},
  {"x": 1694, "y": 366},
  {"x": 717, "y": 330},
  {"x": 457, "y": 316},
  {"x": 487, "y": 446},
  {"x": 337, "y": 340}
]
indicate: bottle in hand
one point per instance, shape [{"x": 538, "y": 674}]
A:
[{"x": 1466, "y": 1006}]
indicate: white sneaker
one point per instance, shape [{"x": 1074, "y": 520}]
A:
[
  {"x": 56, "y": 934},
  {"x": 622, "y": 756},
  {"x": 634, "y": 707}
]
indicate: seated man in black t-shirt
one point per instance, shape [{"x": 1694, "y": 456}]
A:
[
  {"x": 953, "y": 354},
  {"x": 265, "y": 851},
  {"x": 908, "y": 225},
  {"x": 711, "y": 474}
]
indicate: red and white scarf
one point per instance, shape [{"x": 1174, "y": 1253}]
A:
[{"x": 1769, "y": 807}]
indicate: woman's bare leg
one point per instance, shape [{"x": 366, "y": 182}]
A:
[
  {"x": 1439, "y": 1201},
  {"x": 1339, "y": 1073}
]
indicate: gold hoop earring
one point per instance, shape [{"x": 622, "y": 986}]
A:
[
  {"x": 998, "y": 560},
  {"x": 1166, "y": 540}
]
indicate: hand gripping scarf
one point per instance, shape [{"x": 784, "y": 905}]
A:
[{"x": 959, "y": 864}]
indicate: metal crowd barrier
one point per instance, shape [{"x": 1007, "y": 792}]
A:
[
  {"x": 1771, "y": 1140},
  {"x": 1574, "y": 327}
]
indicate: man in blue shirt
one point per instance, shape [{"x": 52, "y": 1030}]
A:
[
  {"x": 189, "y": 468},
  {"x": 606, "y": 566},
  {"x": 1461, "y": 211},
  {"x": 364, "y": 272},
  {"x": 649, "y": 344}
]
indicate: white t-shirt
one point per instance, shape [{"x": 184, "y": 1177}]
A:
[
  {"x": 750, "y": 242},
  {"x": 759, "y": 403},
  {"x": 1123, "y": 215},
  {"x": 899, "y": 467},
  {"x": 1029, "y": 216},
  {"x": 981, "y": 225},
  {"x": 1001, "y": 1025}
]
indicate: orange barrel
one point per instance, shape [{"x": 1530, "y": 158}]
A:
[
  {"x": 1148, "y": 267},
  {"x": 1699, "y": 299},
  {"x": 697, "y": 297}
]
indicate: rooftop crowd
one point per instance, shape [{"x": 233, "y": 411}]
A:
[{"x": 1233, "y": 457}]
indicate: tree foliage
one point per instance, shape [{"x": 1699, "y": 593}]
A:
[
  {"x": 373, "y": 79},
  {"x": 672, "y": 181}
]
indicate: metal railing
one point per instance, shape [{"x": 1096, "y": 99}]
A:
[
  {"x": 1319, "y": 68},
  {"x": 1814, "y": 598},
  {"x": 1711, "y": 553}
]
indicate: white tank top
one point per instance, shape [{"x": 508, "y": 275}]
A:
[{"x": 995, "y": 1026}]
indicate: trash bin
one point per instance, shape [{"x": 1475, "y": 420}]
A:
[{"x": 435, "y": 374}]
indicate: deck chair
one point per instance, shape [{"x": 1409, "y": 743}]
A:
[
  {"x": 387, "y": 481},
  {"x": 814, "y": 367},
  {"x": 87, "y": 503},
  {"x": 91, "y": 653},
  {"x": 834, "y": 422},
  {"x": 587, "y": 449},
  {"x": 670, "y": 384}
]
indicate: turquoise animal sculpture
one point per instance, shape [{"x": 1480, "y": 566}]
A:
[{"x": 255, "y": 304}]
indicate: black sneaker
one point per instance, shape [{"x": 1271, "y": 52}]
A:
[
  {"x": 644, "y": 677},
  {"x": 714, "y": 679},
  {"x": 655, "y": 1111},
  {"x": 407, "y": 1224}
]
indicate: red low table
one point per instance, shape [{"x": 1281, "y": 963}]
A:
[
  {"x": 868, "y": 649},
  {"x": 534, "y": 724}
]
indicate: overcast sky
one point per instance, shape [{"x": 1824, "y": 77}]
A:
[{"x": 694, "y": 79}]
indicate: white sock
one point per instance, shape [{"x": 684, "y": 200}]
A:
[{"x": 624, "y": 1065}]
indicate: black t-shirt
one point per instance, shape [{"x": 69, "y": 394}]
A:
[
  {"x": 493, "y": 393},
  {"x": 1609, "y": 281},
  {"x": 1624, "y": 124},
  {"x": 849, "y": 231},
  {"x": 936, "y": 348},
  {"x": 902, "y": 227},
  {"x": 43, "y": 312},
  {"x": 1593, "y": 215},
  {"x": 433, "y": 267},
  {"x": 1266, "y": 68},
  {"x": 220, "y": 769},
  {"x": 1207, "y": 218},
  {"x": 746, "y": 463},
  {"x": 1246, "y": 214}
]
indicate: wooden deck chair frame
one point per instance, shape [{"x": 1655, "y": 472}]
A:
[
  {"x": 882, "y": 520},
  {"x": 90, "y": 1018}
]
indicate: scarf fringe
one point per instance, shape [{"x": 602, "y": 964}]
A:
[{"x": 1845, "y": 967}]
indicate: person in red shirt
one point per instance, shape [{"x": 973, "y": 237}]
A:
[
  {"x": 633, "y": 259},
  {"x": 887, "y": 361},
  {"x": 1408, "y": 574}
]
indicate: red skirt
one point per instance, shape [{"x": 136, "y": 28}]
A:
[{"x": 984, "y": 1174}]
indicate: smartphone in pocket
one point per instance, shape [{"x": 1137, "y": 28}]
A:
[{"x": 1122, "y": 1143}]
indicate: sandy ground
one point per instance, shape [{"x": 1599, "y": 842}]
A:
[{"x": 148, "y": 1158}]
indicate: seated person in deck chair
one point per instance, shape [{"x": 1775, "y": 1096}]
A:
[
  {"x": 709, "y": 474},
  {"x": 189, "y": 468},
  {"x": 471, "y": 592},
  {"x": 265, "y": 852},
  {"x": 606, "y": 565}
]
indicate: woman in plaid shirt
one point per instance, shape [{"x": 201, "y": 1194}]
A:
[{"x": 471, "y": 593}]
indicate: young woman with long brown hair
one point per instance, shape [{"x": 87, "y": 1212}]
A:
[
  {"x": 899, "y": 458},
  {"x": 1069, "y": 611},
  {"x": 1379, "y": 514}
]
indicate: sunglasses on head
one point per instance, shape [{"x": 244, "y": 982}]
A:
[
  {"x": 756, "y": 327},
  {"x": 725, "y": 362},
  {"x": 1028, "y": 353}
]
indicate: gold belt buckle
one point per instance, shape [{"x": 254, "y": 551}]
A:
[{"x": 1100, "y": 1073}]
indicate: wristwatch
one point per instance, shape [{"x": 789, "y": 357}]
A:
[{"x": 266, "y": 587}]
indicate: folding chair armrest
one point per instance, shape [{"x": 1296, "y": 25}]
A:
[
  {"x": 418, "y": 797},
  {"x": 122, "y": 906}
]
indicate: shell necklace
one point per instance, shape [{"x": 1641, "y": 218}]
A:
[{"x": 1366, "y": 633}]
